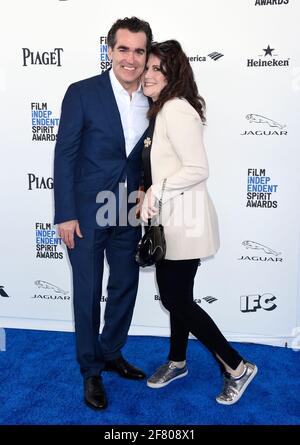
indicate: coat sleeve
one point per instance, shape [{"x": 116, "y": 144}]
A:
[
  {"x": 184, "y": 130},
  {"x": 66, "y": 154}
]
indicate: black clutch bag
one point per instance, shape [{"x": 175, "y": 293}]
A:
[{"x": 152, "y": 247}]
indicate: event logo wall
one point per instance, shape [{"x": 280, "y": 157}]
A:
[
  {"x": 105, "y": 63},
  {"x": 39, "y": 182},
  {"x": 44, "y": 126},
  {"x": 42, "y": 57},
  {"x": 3, "y": 292},
  {"x": 268, "y": 59},
  {"x": 263, "y": 253},
  {"x": 48, "y": 244},
  {"x": 53, "y": 292},
  {"x": 252, "y": 303},
  {"x": 270, "y": 2},
  {"x": 260, "y": 191},
  {"x": 263, "y": 126}
]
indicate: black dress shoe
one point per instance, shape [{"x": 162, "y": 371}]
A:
[
  {"x": 124, "y": 369},
  {"x": 94, "y": 393}
]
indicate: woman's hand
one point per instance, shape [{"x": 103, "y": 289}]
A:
[{"x": 150, "y": 206}]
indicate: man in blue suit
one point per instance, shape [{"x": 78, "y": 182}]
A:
[{"x": 98, "y": 148}]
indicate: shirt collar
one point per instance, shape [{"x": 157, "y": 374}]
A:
[{"x": 118, "y": 87}]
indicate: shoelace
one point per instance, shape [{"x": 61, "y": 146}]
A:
[{"x": 172, "y": 366}]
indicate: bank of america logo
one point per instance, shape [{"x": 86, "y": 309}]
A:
[
  {"x": 215, "y": 56},
  {"x": 210, "y": 299},
  {"x": 3, "y": 293}
]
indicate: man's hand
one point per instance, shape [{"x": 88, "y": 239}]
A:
[
  {"x": 66, "y": 232},
  {"x": 150, "y": 206},
  {"x": 139, "y": 201}
]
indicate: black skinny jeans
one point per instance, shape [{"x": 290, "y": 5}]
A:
[{"x": 175, "y": 281}]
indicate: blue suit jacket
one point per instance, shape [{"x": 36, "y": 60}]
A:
[{"x": 90, "y": 151}]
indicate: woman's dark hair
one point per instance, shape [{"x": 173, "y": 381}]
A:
[
  {"x": 175, "y": 66},
  {"x": 133, "y": 24}
]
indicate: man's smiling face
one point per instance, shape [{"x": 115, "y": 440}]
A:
[{"x": 128, "y": 57}]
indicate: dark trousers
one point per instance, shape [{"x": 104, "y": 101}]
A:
[
  {"x": 175, "y": 281},
  {"x": 87, "y": 260}
]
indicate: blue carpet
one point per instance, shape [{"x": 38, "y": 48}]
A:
[{"x": 41, "y": 385}]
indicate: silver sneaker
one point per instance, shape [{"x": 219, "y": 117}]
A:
[
  {"x": 165, "y": 374},
  {"x": 235, "y": 387}
]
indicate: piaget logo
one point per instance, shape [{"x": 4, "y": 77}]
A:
[
  {"x": 39, "y": 182},
  {"x": 42, "y": 57}
]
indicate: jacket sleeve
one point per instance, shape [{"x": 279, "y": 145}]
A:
[
  {"x": 66, "y": 154},
  {"x": 184, "y": 129}
]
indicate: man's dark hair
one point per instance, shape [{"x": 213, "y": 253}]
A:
[{"x": 133, "y": 24}]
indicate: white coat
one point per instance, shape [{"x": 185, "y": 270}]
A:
[{"x": 178, "y": 154}]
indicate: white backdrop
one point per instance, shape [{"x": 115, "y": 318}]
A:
[{"x": 246, "y": 61}]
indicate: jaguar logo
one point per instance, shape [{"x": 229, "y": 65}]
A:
[{"x": 46, "y": 285}]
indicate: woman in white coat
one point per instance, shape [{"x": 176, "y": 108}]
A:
[{"x": 175, "y": 170}]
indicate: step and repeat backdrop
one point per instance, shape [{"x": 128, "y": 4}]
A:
[{"x": 246, "y": 61}]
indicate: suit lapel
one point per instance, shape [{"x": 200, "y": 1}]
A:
[{"x": 110, "y": 108}]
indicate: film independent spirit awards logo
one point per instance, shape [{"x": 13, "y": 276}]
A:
[
  {"x": 271, "y": 2},
  {"x": 263, "y": 126},
  {"x": 260, "y": 190},
  {"x": 49, "y": 291},
  {"x": 44, "y": 124},
  {"x": 105, "y": 63},
  {"x": 268, "y": 59},
  {"x": 47, "y": 242},
  {"x": 260, "y": 253}
]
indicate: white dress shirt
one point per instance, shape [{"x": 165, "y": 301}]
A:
[{"x": 133, "y": 112}]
